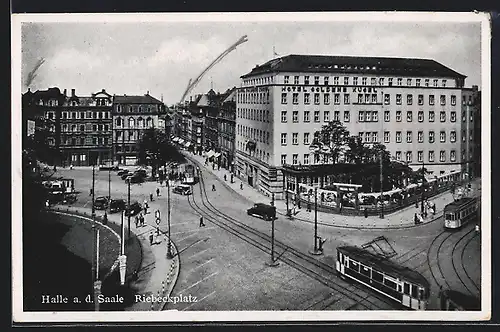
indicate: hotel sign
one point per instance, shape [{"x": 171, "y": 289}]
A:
[{"x": 365, "y": 89}]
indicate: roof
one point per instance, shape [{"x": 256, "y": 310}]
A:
[
  {"x": 353, "y": 65},
  {"x": 385, "y": 265},
  {"x": 146, "y": 99},
  {"x": 460, "y": 202}
]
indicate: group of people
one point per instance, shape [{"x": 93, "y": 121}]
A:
[{"x": 139, "y": 220}]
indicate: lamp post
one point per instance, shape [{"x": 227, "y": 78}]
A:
[
  {"x": 272, "y": 262},
  {"x": 109, "y": 185},
  {"x": 316, "y": 251},
  {"x": 169, "y": 243},
  {"x": 423, "y": 188},
  {"x": 382, "y": 119},
  {"x": 96, "y": 283},
  {"x": 129, "y": 210}
]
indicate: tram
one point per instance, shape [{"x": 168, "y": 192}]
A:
[
  {"x": 401, "y": 284},
  {"x": 460, "y": 212},
  {"x": 189, "y": 173}
]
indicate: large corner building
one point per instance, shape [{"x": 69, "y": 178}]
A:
[{"x": 418, "y": 108}]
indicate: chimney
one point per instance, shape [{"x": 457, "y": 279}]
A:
[
  {"x": 72, "y": 92},
  {"x": 103, "y": 90},
  {"x": 65, "y": 92}
]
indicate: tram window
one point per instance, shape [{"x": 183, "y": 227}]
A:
[
  {"x": 420, "y": 293},
  {"x": 406, "y": 288},
  {"x": 390, "y": 283},
  {"x": 377, "y": 276},
  {"x": 354, "y": 265},
  {"x": 414, "y": 291},
  {"x": 365, "y": 270}
]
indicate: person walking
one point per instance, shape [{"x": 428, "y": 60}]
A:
[
  {"x": 90, "y": 193},
  {"x": 105, "y": 218},
  {"x": 213, "y": 187},
  {"x": 136, "y": 221},
  {"x": 157, "y": 192},
  {"x": 202, "y": 224},
  {"x": 241, "y": 185},
  {"x": 141, "y": 220},
  {"x": 151, "y": 197},
  {"x": 145, "y": 207},
  {"x": 151, "y": 237},
  {"x": 225, "y": 177}
]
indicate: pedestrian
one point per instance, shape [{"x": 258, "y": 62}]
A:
[
  {"x": 232, "y": 178},
  {"x": 55, "y": 168},
  {"x": 141, "y": 220},
  {"x": 202, "y": 224},
  {"x": 225, "y": 177},
  {"x": 308, "y": 206},
  {"x": 47, "y": 204},
  {"x": 151, "y": 197},
  {"x": 91, "y": 191},
  {"x": 145, "y": 207},
  {"x": 321, "y": 243},
  {"x": 213, "y": 187},
  {"x": 71, "y": 166},
  {"x": 105, "y": 218},
  {"x": 416, "y": 218},
  {"x": 157, "y": 192},
  {"x": 151, "y": 237},
  {"x": 241, "y": 185},
  {"x": 136, "y": 221},
  {"x": 366, "y": 212}
]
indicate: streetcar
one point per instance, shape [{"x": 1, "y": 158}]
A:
[
  {"x": 460, "y": 212},
  {"x": 401, "y": 284},
  {"x": 189, "y": 174}
]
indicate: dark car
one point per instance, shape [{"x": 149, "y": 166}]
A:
[
  {"x": 125, "y": 175},
  {"x": 182, "y": 189},
  {"x": 141, "y": 172},
  {"x": 265, "y": 211},
  {"x": 135, "y": 178},
  {"x": 117, "y": 205},
  {"x": 135, "y": 208},
  {"x": 101, "y": 203},
  {"x": 121, "y": 172}
]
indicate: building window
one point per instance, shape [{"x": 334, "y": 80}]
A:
[
  {"x": 387, "y": 136},
  {"x": 431, "y": 156},
  {"x": 347, "y": 116},
  {"x": 283, "y": 159},
  {"x": 442, "y": 116},
  {"x": 326, "y": 98},
  {"x": 374, "y": 98},
  {"x": 409, "y": 116},
  {"x": 368, "y": 116},
  {"x": 131, "y": 123},
  {"x": 398, "y": 137},
  {"x": 316, "y": 99},
  {"x": 408, "y": 81},
  {"x": 94, "y": 128},
  {"x": 347, "y": 100},
  {"x": 325, "y": 80},
  {"x": 306, "y": 80},
  {"x": 420, "y": 136},
  {"x": 283, "y": 138},
  {"x": 295, "y": 98},
  {"x": 367, "y": 137},
  {"x": 336, "y": 98},
  {"x": 374, "y": 137},
  {"x": 431, "y": 99},
  {"x": 442, "y": 99},
  {"x": 390, "y": 81},
  {"x": 431, "y": 116},
  {"x": 464, "y": 138},
  {"x": 400, "y": 81},
  {"x": 361, "y": 116},
  {"x": 346, "y": 80},
  {"x": 283, "y": 98},
  {"x": 363, "y": 81},
  {"x": 326, "y": 116},
  {"x": 295, "y": 159},
  {"x": 426, "y": 82},
  {"x": 360, "y": 98},
  {"x": 316, "y": 116},
  {"x": 453, "y": 136},
  {"x": 106, "y": 127},
  {"x": 286, "y": 79},
  {"x": 398, "y": 116},
  {"x": 417, "y": 82},
  {"x": 431, "y": 136},
  {"x": 464, "y": 117},
  {"x": 283, "y": 117},
  {"x": 409, "y": 99},
  {"x": 387, "y": 116},
  {"x": 306, "y": 98},
  {"x": 295, "y": 116},
  {"x": 373, "y": 81},
  {"x": 381, "y": 81},
  {"x": 360, "y": 134},
  {"x": 453, "y": 100},
  {"x": 442, "y": 136},
  {"x": 409, "y": 136},
  {"x": 398, "y": 99},
  {"x": 398, "y": 155},
  {"x": 453, "y": 116},
  {"x": 443, "y": 83},
  {"x": 316, "y": 80},
  {"x": 453, "y": 155},
  {"x": 435, "y": 82},
  {"x": 387, "y": 99},
  {"x": 306, "y": 138},
  {"x": 367, "y": 99},
  {"x": 375, "y": 116},
  {"x": 295, "y": 138},
  {"x": 355, "y": 81},
  {"x": 409, "y": 156},
  {"x": 82, "y": 128},
  {"x": 306, "y": 116},
  {"x": 420, "y": 156}
]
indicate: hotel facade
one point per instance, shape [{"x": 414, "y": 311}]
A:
[{"x": 418, "y": 108}]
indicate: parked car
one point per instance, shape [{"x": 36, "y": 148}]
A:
[
  {"x": 182, "y": 189},
  {"x": 101, "y": 203},
  {"x": 125, "y": 175},
  {"x": 141, "y": 171},
  {"x": 135, "y": 208},
  {"x": 121, "y": 172},
  {"x": 117, "y": 205},
  {"x": 135, "y": 178},
  {"x": 265, "y": 211}
]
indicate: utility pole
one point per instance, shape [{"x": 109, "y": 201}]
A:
[
  {"x": 382, "y": 119},
  {"x": 316, "y": 250},
  {"x": 109, "y": 185},
  {"x": 129, "y": 210},
  {"x": 272, "y": 262},
  {"x": 423, "y": 187},
  {"x": 169, "y": 243},
  {"x": 95, "y": 250}
]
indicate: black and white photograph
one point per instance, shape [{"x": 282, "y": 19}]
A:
[{"x": 251, "y": 167}]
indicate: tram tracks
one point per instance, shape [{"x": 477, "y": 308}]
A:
[
  {"x": 467, "y": 276},
  {"x": 315, "y": 269}
]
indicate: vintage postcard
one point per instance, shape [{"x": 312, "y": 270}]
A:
[{"x": 251, "y": 167}]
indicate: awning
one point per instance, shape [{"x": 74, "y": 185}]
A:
[
  {"x": 175, "y": 139},
  {"x": 187, "y": 144},
  {"x": 216, "y": 155},
  {"x": 181, "y": 141},
  {"x": 210, "y": 153}
]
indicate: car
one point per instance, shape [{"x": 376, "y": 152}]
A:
[
  {"x": 117, "y": 205},
  {"x": 141, "y": 171},
  {"x": 182, "y": 189},
  {"x": 101, "y": 203},
  {"x": 135, "y": 208},
  {"x": 121, "y": 172},
  {"x": 134, "y": 178},
  {"x": 125, "y": 175},
  {"x": 265, "y": 211}
]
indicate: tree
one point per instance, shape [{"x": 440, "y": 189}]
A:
[
  {"x": 38, "y": 145},
  {"x": 332, "y": 138}
]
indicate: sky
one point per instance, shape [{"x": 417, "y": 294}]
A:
[{"x": 160, "y": 57}]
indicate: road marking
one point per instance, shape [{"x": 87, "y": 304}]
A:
[
  {"x": 182, "y": 223},
  {"x": 198, "y": 301},
  {"x": 197, "y": 253},
  {"x": 185, "y": 238},
  {"x": 196, "y": 283},
  {"x": 194, "y": 230},
  {"x": 211, "y": 259}
]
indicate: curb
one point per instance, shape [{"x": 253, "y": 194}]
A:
[
  {"x": 408, "y": 225},
  {"x": 174, "y": 274}
]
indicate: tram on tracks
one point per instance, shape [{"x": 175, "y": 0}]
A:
[
  {"x": 401, "y": 284},
  {"x": 460, "y": 212}
]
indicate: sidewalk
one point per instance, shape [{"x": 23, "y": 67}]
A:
[
  {"x": 158, "y": 274},
  {"x": 401, "y": 219}
]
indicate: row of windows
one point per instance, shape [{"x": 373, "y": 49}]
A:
[
  {"x": 88, "y": 140},
  {"x": 316, "y": 116},
  {"x": 132, "y": 122},
  {"x": 372, "y": 137},
  {"x": 306, "y": 158},
  {"x": 325, "y": 80},
  {"x": 85, "y": 127},
  {"x": 253, "y": 114},
  {"x": 254, "y": 134},
  {"x": 129, "y": 135},
  {"x": 363, "y": 98},
  {"x": 135, "y": 108},
  {"x": 259, "y": 154},
  {"x": 254, "y": 98}
]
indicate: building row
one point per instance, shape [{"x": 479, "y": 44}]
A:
[{"x": 98, "y": 129}]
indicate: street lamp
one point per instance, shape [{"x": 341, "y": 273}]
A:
[
  {"x": 169, "y": 243},
  {"x": 316, "y": 251},
  {"x": 96, "y": 283}
]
